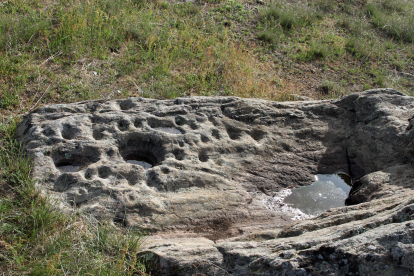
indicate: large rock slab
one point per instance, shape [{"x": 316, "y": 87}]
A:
[{"x": 213, "y": 164}]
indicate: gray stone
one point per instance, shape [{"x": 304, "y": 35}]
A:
[{"x": 210, "y": 161}]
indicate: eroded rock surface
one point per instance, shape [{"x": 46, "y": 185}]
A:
[{"x": 197, "y": 171}]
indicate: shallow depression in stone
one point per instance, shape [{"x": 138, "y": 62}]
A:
[{"x": 328, "y": 191}]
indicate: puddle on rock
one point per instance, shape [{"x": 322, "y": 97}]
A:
[
  {"x": 170, "y": 130},
  {"x": 140, "y": 160},
  {"x": 328, "y": 191}
]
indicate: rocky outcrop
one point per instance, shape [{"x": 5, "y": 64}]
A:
[{"x": 199, "y": 169}]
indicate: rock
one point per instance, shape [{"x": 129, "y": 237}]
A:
[
  {"x": 301, "y": 98},
  {"x": 195, "y": 171}
]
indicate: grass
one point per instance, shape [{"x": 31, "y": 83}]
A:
[
  {"x": 394, "y": 18},
  {"x": 72, "y": 50},
  {"x": 288, "y": 16},
  {"x": 96, "y": 49},
  {"x": 344, "y": 40}
]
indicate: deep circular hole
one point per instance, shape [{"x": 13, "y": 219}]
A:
[
  {"x": 143, "y": 151},
  {"x": 144, "y": 161},
  {"x": 216, "y": 134},
  {"x": 123, "y": 124},
  {"x": 104, "y": 172},
  {"x": 180, "y": 120},
  {"x": 326, "y": 192},
  {"x": 194, "y": 125},
  {"x": 97, "y": 134},
  {"x": 49, "y": 132},
  {"x": 258, "y": 134},
  {"x": 233, "y": 133},
  {"x": 69, "y": 132},
  {"x": 89, "y": 173},
  {"x": 138, "y": 122},
  {"x": 179, "y": 154},
  {"x": 110, "y": 152},
  {"x": 73, "y": 162},
  {"x": 203, "y": 156},
  {"x": 204, "y": 139},
  {"x": 67, "y": 166}
]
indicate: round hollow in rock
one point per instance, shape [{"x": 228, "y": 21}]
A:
[
  {"x": 142, "y": 160},
  {"x": 67, "y": 166}
]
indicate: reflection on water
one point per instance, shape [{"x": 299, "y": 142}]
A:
[
  {"x": 143, "y": 164},
  {"x": 328, "y": 191},
  {"x": 170, "y": 130},
  {"x": 68, "y": 168},
  {"x": 340, "y": 180}
]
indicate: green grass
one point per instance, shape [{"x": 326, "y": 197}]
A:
[
  {"x": 157, "y": 46},
  {"x": 108, "y": 49},
  {"x": 327, "y": 34},
  {"x": 394, "y": 18},
  {"x": 288, "y": 16}
]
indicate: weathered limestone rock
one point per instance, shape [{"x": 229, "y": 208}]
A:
[{"x": 209, "y": 162}]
